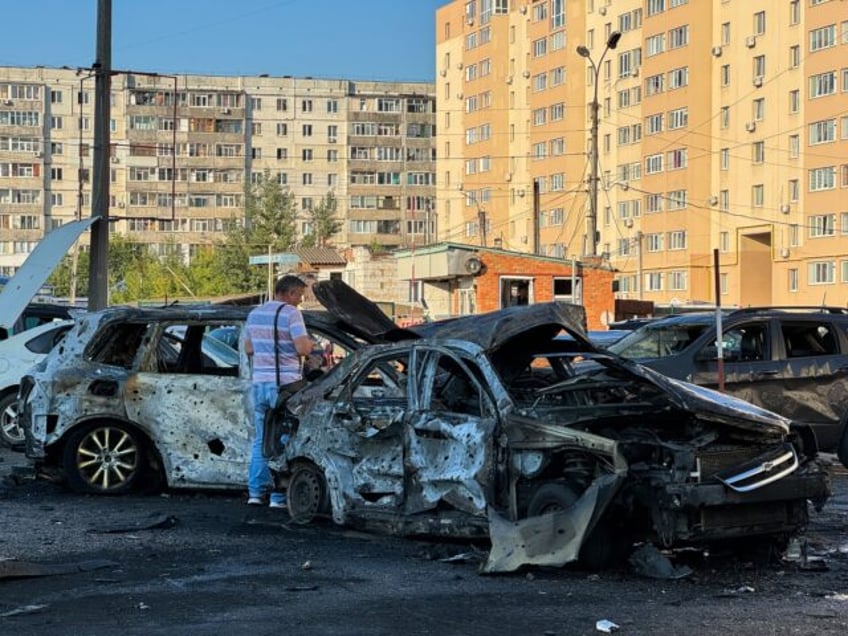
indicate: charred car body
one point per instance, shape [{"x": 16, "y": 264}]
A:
[
  {"x": 140, "y": 398},
  {"x": 479, "y": 429}
]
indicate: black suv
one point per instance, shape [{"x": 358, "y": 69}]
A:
[{"x": 791, "y": 360}]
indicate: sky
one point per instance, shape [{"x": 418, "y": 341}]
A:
[{"x": 386, "y": 40}]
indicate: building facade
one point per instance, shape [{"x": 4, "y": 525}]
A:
[
  {"x": 184, "y": 148},
  {"x": 722, "y": 129}
]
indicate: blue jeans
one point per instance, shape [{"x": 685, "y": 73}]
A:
[{"x": 259, "y": 479}]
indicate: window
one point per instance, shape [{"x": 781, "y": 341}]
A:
[
  {"x": 654, "y": 124},
  {"x": 515, "y": 291},
  {"x": 677, "y": 240},
  {"x": 822, "y": 84},
  {"x": 759, "y": 23},
  {"x": 759, "y": 108},
  {"x": 557, "y": 13},
  {"x": 757, "y": 195},
  {"x": 794, "y": 100},
  {"x": 655, "y": 84},
  {"x": 655, "y": 44},
  {"x": 822, "y": 38},
  {"x": 724, "y": 241},
  {"x": 822, "y": 225},
  {"x": 282, "y": 104},
  {"x": 540, "y": 47},
  {"x": 822, "y": 178},
  {"x": 654, "y": 242},
  {"x": 653, "y": 281},
  {"x": 678, "y": 37},
  {"x": 676, "y": 200},
  {"x": 654, "y": 163},
  {"x": 793, "y": 280},
  {"x": 794, "y": 56},
  {"x": 677, "y": 159},
  {"x": 759, "y": 66},
  {"x": 822, "y": 131},
  {"x": 758, "y": 151},
  {"x": 822, "y": 272},
  {"x": 724, "y": 158},
  {"x": 725, "y": 74},
  {"x": 655, "y": 6},
  {"x": 306, "y": 105}
]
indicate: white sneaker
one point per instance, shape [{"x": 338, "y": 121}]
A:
[
  {"x": 278, "y": 504},
  {"x": 255, "y": 501}
]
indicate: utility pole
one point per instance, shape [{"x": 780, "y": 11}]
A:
[
  {"x": 98, "y": 276},
  {"x": 591, "y": 245}
]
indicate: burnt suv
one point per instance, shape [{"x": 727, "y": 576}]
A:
[{"x": 790, "y": 360}]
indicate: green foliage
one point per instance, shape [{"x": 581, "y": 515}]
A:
[
  {"x": 324, "y": 221},
  {"x": 271, "y": 215}
]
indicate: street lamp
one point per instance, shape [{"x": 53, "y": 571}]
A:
[{"x": 591, "y": 248}]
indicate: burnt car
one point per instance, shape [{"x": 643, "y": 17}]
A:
[
  {"x": 475, "y": 427},
  {"x": 137, "y": 399}
]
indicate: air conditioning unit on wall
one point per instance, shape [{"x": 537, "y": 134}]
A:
[{"x": 716, "y": 51}]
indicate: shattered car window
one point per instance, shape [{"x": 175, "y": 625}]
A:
[
  {"x": 384, "y": 377},
  {"x": 657, "y": 341},
  {"x": 191, "y": 349},
  {"x": 450, "y": 386},
  {"x": 117, "y": 345}
]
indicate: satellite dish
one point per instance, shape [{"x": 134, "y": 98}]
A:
[{"x": 473, "y": 265}]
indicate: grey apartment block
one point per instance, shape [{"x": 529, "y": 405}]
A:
[{"x": 372, "y": 144}]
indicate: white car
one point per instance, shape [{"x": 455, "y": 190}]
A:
[{"x": 17, "y": 355}]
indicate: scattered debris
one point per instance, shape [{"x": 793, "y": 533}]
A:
[
  {"x": 462, "y": 557},
  {"x": 301, "y": 588},
  {"x": 27, "y": 569},
  {"x": 648, "y": 561},
  {"x": 142, "y": 606},
  {"x": 307, "y": 565},
  {"x": 25, "y": 609},
  {"x": 606, "y": 626},
  {"x": 733, "y": 592},
  {"x": 154, "y": 522}
]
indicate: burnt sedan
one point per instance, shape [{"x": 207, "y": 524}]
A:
[{"x": 476, "y": 428}]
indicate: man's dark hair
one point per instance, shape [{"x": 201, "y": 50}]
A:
[{"x": 287, "y": 283}]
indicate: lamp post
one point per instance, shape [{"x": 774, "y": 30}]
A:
[{"x": 591, "y": 248}]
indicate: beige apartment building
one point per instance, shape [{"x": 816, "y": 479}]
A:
[
  {"x": 722, "y": 128},
  {"x": 371, "y": 144}
]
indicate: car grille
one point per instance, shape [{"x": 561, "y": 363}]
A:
[{"x": 762, "y": 470}]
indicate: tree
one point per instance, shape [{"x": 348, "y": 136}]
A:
[
  {"x": 271, "y": 215},
  {"x": 324, "y": 221}
]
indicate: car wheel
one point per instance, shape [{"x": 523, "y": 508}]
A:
[
  {"x": 307, "y": 494},
  {"x": 552, "y": 497},
  {"x": 11, "y": 434},
  {"x": 104, "y": 458},
  {"x": 603, "y": 548},
  {"x": 842, "y": 449}
]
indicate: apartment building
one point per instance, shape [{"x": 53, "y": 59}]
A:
[
  {"x": 184, "y": 148},
  {"x": 722, "y": 127}
]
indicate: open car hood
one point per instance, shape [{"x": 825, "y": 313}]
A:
[
  {"x": 358, "y": 315},
  {"x": 37, "y": 268},
  {"x": 492, "y": 330}
]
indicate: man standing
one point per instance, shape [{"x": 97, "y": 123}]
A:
[{"x": 292, "y": 342}]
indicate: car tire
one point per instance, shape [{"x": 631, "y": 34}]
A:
[
  {"x": 104, "y": 458},
  {"x": 11, "y": 434},
  {"x": 551, "y": 497},
  {"x": 603, "y": 548},
  {"x": 307, "y": 494},
  {"x": 842, "y": 448}
]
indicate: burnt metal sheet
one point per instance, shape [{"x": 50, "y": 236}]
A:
[
  {"x": 552, "y": 539},
  {"x": 361, "y": 316},
  {"x": 37, "y": 268}
]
